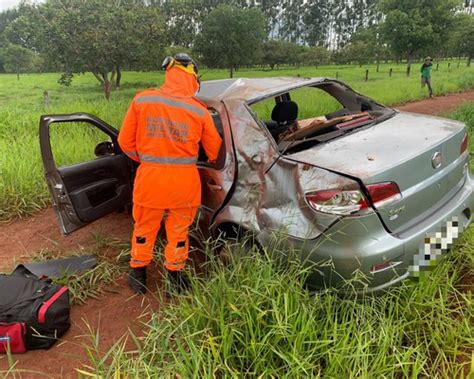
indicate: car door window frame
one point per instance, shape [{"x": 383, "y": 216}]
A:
[{"x": 221, "y": 158}]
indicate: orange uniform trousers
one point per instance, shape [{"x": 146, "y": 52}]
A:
[{"x": 147, "y": 225}]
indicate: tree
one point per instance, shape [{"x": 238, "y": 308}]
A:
[
  {"x": 463, "y": 37},
  {"x": 183, "y": 19},
  {"x": 413, "y": 26},
  {"x": 359, "y": 52},
  {"x": 277, "y": 52},
  {"x": 23, "y": 30},
  {"x": 231, "y": 38},
  {"x": 331, "y": 23},
  {"x": 17, "y": 59},
  {"x": 271, "y": 10},
  {"x": 6, "y": 17},
  {"x": 317, "y": 20},
  {"x": 370, "y": 41},
  {"x": 316, "y": 56},
  {"x": 97, "y": 36},
  {"x": 291, "y": 20}
]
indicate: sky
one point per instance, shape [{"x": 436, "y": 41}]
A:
[{"x": 5, "y": 4}]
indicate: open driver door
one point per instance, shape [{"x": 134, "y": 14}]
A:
[{"x": 85, "y": 191}]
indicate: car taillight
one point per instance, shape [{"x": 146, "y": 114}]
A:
[
  {"x": 464, "y": 143},
  {"x": 351, "y": 202},
  {"x": 383, "y": 194},
  {"x": 338, "y": 202}
]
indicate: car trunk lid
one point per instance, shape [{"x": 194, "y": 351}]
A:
[{"x": 403, "y": 150}]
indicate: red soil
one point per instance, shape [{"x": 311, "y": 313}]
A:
[
  {"x": 438, "y": 105},
  {"x": 111, "y": 316},
  {"x": 114, "y": 313}
]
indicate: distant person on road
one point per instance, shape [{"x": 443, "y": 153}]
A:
[
  {"x": 162, "y": 130},
  {"x": 426, "y": 74}
]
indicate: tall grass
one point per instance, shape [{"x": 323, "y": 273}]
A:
[
  {"x": 254, "y": 318},
  {"x": 22, "y": 187}
]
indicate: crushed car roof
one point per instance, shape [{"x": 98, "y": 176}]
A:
[{"x": 250, "y": 89}]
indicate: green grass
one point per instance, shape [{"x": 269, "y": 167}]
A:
[
  {"x": 22, "y": 187},
  {"x": 95, "y": 282},
  {"x": 253, "y": 318}
]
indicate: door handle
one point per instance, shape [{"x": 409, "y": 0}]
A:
[{"x": 213, "y": 186}]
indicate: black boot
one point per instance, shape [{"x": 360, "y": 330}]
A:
[
  {"x": 137, "y": 280},
  {"x": 178, "y": 281}
]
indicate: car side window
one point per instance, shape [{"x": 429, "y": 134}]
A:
[
  {"x": 78, "y": 142},
  {"x": 202, "y": 157}
]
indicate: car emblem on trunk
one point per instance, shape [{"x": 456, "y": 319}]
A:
[{"x": 436, "y": 160}]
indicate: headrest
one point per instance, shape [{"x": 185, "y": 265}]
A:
[{"x": 285, "y": 112}]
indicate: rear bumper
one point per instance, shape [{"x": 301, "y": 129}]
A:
[{"x": 351, "y": 248}]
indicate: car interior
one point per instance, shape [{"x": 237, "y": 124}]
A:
[
  {"x": 202, "y": 157},
  {"x": 284, "y": 116},
  {"x": 330, "y": 110}
]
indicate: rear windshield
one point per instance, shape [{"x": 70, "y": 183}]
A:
[{"x": 306, "y": 116}]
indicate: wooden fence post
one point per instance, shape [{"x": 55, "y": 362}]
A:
[
  {"x": 437, "y": 66},
  {"x": 366, "y": 75},
  {"x": 390, "y": 72},
  {"x": 337, "y": 74},
  {"x": 46, "y": 99}
]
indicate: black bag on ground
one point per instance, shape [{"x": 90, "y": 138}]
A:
[{"x": 41, "y": 306}]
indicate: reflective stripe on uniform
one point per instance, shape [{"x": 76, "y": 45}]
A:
[
  {"x": 168, "y": 160},
  {"x": 175, "y": 266},
  {"x": 135, "y": 263},
  {"x": 171, "y": 102},
  {"x": 138, "y": 261}
]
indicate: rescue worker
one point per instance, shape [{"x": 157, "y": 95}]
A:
[{"x": 162, "y": 130}]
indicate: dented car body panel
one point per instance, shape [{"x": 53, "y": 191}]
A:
[{"x": 297, "y": 191}]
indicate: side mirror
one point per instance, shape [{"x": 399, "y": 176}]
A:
[{"x": 104, "y": 148}]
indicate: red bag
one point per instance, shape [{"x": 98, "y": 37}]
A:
[{"x": 12, "y": 337}]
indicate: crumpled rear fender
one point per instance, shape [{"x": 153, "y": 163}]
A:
[{"x": 272, "y": 200}]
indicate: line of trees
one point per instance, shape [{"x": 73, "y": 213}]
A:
[{"x": 105, "y": 37}]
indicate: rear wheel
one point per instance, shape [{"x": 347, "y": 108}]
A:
[{"x": 235, "y": 240}]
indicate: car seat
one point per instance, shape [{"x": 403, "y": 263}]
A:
[{"x": 284, "y": 114}]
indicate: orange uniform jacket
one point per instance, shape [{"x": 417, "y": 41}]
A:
[{"x": 162, "y": 130}]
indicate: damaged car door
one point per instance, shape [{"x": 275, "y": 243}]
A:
[{"x": 217, "y": 178}]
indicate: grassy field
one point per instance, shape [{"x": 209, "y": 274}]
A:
[
  {"x": 22, "y": 188},
  {"x": 253, "y": 318}
]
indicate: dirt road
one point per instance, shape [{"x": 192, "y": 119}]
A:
[
  {"x": 438, "y": 105},
  {"x": 113, "y": 314}
]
